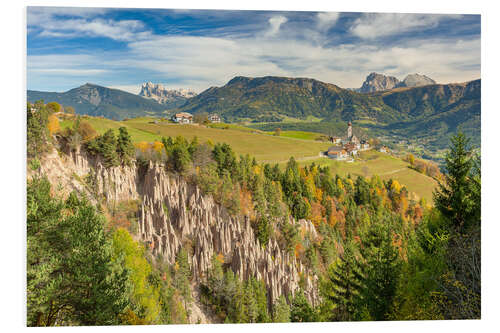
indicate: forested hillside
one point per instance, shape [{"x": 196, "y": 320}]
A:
[
  {"x": 96, "y": 100},
  {"x": 355, "y": 249}
]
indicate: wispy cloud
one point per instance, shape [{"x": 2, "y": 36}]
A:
[
  {"x": 371, "y": 25},
  {"x": 275, "y": 23},
  {"x": 284, "y": 44},
  {"x": 70, "y": 22}
]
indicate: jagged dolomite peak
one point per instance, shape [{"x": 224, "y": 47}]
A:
[
  {"x": 162, "y": 95},
  {"x": 174, "y": 213}
]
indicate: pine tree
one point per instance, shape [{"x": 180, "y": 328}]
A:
[
  {"x": 124, "y": 146},
  {"x": 183, "y": 276},
  {"x": 281, "y": 311},
  {"x": 345, "y": 280},
  {"x": 37, "y": 131},
  {"x": 454, "y": 197},
  {"x": 382, "y": 269},
  {"x": 301, "y": 310},
  {"x": 71, "y": 275}
]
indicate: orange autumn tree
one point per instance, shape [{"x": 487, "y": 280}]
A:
[
  {"x": 157, "y": 146},
  {"x": 142, "y": 146},
  {"x": 53, "y": 124},
  {"x": 317, "y": 213}
]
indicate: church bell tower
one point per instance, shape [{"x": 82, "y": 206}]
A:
[{"x": 349, "y": 131}]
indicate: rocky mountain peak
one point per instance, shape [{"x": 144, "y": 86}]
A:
[
  {"x": 163, "y": 95},
  {"x": 378, "y": 82},
  {"x": 416, "y": 80}
]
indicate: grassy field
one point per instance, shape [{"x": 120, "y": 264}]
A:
[
  {"x": 268, "y": 148},
  {"x": 261, "y": 145},
  {"x": 300, "y": 135},
  {"x": 386, "y": 166}
]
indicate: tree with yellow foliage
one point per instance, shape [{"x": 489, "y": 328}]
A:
[
  {"x": 143, "y": 146},
  {"x": 53, "y": 124},
  {"x": 157, "y": 146},
  {"x": 54, "y": 107}
]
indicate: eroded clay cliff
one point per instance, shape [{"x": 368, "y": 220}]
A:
[{"x": 174, "y": 213}]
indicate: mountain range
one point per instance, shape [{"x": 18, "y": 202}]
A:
[
  {"x": 414, "y": 106},
  {"x": 96, "y": 100}
]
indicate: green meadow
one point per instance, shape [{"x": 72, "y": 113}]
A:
[{"x": 268, "y": 148}]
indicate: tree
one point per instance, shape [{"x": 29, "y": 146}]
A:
[
  {"x": 455, "y": 197},
  {"x": 344, "y": 286},
  {"x": 86, "y": 130},
  {"x": 54, "y": 107},
  {"x": 124, "y": 146},
  {"x": 281, "y": 312},
  {"x": 71, "y": 276},
  {"x": 182, "y": 276},
  {"x": 382, "y": 270},
  {"x": 301, "y": 310},
  {"x": 411, "y": 159},
  {"x": 179, "y": 159},
  {"x": 277, "y": 132},
  {"x": 37, "y": 131},
  {"x": 53, "y": 124},
  {"x": 144, "y": 296},
  {"x": 106, "y": 146}
]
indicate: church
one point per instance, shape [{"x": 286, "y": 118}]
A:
[
  {"x": 349, "y": 147},
  {"x": 351, "y": 138}
]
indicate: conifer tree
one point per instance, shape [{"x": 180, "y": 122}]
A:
[
  {"x": 183, "y": 276},
  {"x": 454, "y": 197},
  {"x": 301, "y": 310},
  {"x": 345, "y": 279},
  {"x": 281, "y": 311},
  {"x": 124, "y": 147}
]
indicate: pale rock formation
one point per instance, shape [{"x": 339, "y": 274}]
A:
[{"x": 174, "y": 213}]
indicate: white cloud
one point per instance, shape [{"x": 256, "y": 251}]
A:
[
  {"x": 371, "y": 25},
  {"x": 275, "y": 23},
  {"x": 200, "y": 62},
  {"x": 326, "y": 20},
  {"x": 213, "y": 61},
  {"x": 71, "y": 22}
]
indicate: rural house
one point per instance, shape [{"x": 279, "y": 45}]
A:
[
  {"x": 214, "y": 118},
  {"x": 183, "y": 118},
  {"x": 337, "y": 153}
]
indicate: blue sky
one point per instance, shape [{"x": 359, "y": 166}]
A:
[{"x": 197, "y": 49}]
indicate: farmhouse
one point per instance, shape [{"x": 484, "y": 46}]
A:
[
  {"x": 337, "y": 153},
  {"x": 214, "y": 118},
  {"x": 183, "y": 118}
]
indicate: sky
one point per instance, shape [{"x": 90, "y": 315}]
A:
[{"x": 197, "y": 49}]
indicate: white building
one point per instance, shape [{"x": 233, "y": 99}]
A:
[{"x": 183, "y": 118}]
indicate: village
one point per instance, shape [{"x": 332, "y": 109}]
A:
[
  {"x": 347, "y": 148},
  {"x": 344, "y": 148}
]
